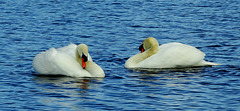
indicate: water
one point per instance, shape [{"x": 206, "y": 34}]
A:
[{"x": 113, "y": 30}]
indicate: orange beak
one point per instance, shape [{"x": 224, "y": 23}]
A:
[
  {"x": 83, "y": 64},
  {"x": 142, "y": 50}
]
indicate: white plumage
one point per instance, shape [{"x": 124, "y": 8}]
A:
[
  {"x": 63, "y": 61},
  {"x": 170, "y": 55}
]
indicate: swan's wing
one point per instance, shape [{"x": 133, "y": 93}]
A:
[{"x": 43, "y": 62}]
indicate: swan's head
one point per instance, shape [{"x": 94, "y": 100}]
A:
[
  {"x": 82, "y": 53},
  {"x": 149, "y": 43}
]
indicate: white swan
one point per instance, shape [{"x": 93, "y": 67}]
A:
[
  {"x": 71, "y": 60},
  {"x": 170, "y": 55}
]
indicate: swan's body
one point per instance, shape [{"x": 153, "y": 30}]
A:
[
  {"x": 170, "y": 55},
  {"x": 71, "y": 60}
]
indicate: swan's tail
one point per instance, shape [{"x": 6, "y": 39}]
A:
[
  {"x": 205, "y": 63},
  {"x": 210, "y": 63}
]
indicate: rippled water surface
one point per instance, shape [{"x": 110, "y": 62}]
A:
[{"x": 113, "y": 30}]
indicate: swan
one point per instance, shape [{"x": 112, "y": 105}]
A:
[
  {"x": 71, "y": 60},
  {"x": 169, "y": 55}
]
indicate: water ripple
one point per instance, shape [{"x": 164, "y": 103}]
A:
[{"x": 113, "y": 31}]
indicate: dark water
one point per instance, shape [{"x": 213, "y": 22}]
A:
[{"x": 113, "y": 30}]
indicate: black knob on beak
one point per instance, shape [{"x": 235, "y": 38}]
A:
[
  {"x": 141, "y": 48},
  {"x": 85, "y": 57}
]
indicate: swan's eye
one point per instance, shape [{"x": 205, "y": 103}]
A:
[{"x": 85, "y": 57}]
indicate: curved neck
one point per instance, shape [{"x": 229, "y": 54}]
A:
[
  {"x": 134, "y": 60},
  {"x": 79, "y": 59},
  {"x": 91, "y": 67},
  {"x": 148, "y": 53},
  {"x": 154, "y": 47}
]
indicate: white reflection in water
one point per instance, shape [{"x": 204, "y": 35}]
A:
[{"x": 59, "y": 91}]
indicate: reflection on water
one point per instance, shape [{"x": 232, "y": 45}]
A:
[
  {"x": 154, "y": 71},
  {"x": 56, "y": 90},
  {"x": 64, "y": 81},
  {"x": 167, "y": 79}
]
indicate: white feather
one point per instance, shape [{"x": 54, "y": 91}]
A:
[
  {"x": 170, "y": 55},
  {"x": 62, "y": 61}
]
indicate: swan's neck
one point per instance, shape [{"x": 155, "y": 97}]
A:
[
  {"x": 151, "y": 51},
  {"x": 133, "y": 61},
  {"x": 148, "y": 53},
  {"x": 154, "y": 47},
  {"x": 94, "y": 69},
  {"x": 79, "y": 59}
]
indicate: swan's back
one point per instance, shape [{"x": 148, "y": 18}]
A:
[
  {"x": 57, "y": 62},
  {"x": 70, "y": 49},
  {"x": 173, "y": 55}
]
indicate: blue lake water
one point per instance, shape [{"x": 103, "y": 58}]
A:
[{"x": 113, "y": 30}]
